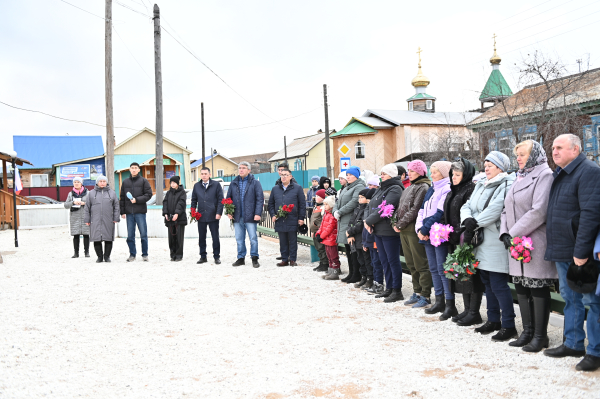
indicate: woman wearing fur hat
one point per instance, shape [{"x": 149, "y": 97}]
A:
[
  {"x": 75, "y": 202},
  {"x": 175, "y": 216}
]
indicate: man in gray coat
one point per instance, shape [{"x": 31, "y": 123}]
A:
[{"x": 101, "y": 214}]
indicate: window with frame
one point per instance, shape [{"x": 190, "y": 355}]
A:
[
  {"x": 275, "y": 166},
  {"x": 39, "y": 180},
  {"x": 220, "y": 172},
  {"x": 429, "y": 104},
  {"x": 359, "y": 150}
]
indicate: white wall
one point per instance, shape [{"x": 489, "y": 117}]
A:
[{"x": 32, "y": 216}]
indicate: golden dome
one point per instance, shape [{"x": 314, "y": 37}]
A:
[
  {"x": 420, "y": 79},
  {"x": 495, "y": 60}
]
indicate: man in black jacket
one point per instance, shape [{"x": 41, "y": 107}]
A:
[
  {"x": 572, "y": 224},
  {"x": 135, "y": 192},
  {"x": 206, "y": 199}
]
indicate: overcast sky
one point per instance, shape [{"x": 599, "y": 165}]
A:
[{"x": 275, "y": 54}]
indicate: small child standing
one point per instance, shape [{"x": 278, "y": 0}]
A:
[
  {"x": 327, "y": 235},
  {"x": 315, "y": 222}
]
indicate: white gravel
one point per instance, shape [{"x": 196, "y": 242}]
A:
[{"x": 71, "y": 327}]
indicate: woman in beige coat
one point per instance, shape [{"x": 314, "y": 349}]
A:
[{"x": 524, "y": 214}]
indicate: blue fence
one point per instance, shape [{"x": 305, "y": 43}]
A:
[{"x": 267, "y": 180}]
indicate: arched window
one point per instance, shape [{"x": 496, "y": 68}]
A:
[{"x": 359, "y": 150}]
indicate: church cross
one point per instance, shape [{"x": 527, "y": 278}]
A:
[{"x": 419, "y": 52}]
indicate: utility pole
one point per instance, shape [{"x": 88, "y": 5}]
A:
[
  {"x": 110, "y": 127},
  {"x": 327, "y": 149},
  {"x": 285, "y": 150},
  {"x": 158, "y": 164},
  {"x": 212, "y": 163},
  {"x": 203, "y": 142}
]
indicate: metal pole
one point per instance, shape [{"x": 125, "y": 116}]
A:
[
  {"x": 203, "y": 142},
  {"x": 158, "y": 161},
  {"x": 327, "y": 149},
  {"x": 15, "y": 219}
]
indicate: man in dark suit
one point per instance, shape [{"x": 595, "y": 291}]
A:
[{"x": 206, "y": 199}]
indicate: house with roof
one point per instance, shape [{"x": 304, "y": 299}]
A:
[
  {"x": 259, "y": 163},
  {"x": 219, "y": 165},
  {"x": 304, "y": 153},
  {"x": 380, "y": 136},
  {"x": 45, "y": 151}
]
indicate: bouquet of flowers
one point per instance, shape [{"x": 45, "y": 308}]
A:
[
  {"x": 386, "y": 210},
  {"x": 521, "y": 249},
  {"x": 229, "y": 208},
  {"x": 194, "y": 216},
  {"x": 460, "y": 264},
  {"x": 284, "y": 210},
  {"x": 439, "y": 233}
]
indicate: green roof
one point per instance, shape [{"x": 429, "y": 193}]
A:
[
  {"x": 354, "y": 127},
  {"x": 495, "y": 87},
  {"x": 421, "y": 96}
]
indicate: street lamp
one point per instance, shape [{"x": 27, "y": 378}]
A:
[
  {"x": 212, "y": 161},
  {"x": 13, "y": 155}
]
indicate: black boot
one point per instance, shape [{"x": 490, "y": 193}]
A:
[
  {"x": 322, "y": 268},
  {"x": 98, "y": 249},
  {"x": 473, "y": 317},
  {"x": 526, "y": 307},
  {"x": 450, "y": 310},
  {"x": 76, "y": 247},
  {"x": 541, "y": 311},
  {"x": 467, "y": 303},
  {"x": 87, "y": 253},
  {"x": 368, "y": 284},
  {"x": 255, "y": 263},
  {"x": 106, "y": 258},
  {"x": 384, "y": 294},
  {"x": 395, "y": 296},
  {"x": 356, "y": 277},
  {"x": 362, "y": 282},
  {"x": 239, "y": 262},
  {"x": 438, "y": 307},
  {"x": 350, "y": 272},
  {"x": 505, "y": 334},
  {"x": 489, "y": 327}
]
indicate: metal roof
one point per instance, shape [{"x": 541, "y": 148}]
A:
[
  {"x": 398, "y": 117},
  {"x": 299, "y": 147},
  {"x": 496, "y": 87},
  {"x": 154, "y": 133},
  {"x": 208, "y": 158},
  {"x": 44, "y": 151},
  {"x": 4, "y": 156},
  {"x": 355, "y": 127},
  {"x": 421, "y": 96}
]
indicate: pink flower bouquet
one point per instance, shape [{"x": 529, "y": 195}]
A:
[
  {"x": 385, "y": 210},
  {"x": 439, "y": 233},
  {"x": 521, "y": 249}
]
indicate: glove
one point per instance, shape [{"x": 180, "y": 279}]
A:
[
  {"x": 319, "y": 238},
  {"x": 507, "y": 240},
  {"x": 336, "y": 215},
  {"x": 470, "y": 224},
  {"x": 469, "y": 234}
]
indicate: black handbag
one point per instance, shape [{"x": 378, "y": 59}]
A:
[{"x": 478, "y": 236}]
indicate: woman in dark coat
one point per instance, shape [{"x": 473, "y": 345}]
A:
[
  {"x": 461, "y": 175},
  {"x": 175, "y": 216},
  {"x": 101, "y": 212},
  {"x": 75, "y": 203}
]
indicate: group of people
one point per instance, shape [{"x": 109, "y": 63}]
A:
[{"x": 391, "y": 215}]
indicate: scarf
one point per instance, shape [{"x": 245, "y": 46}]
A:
[
  {"x": 536, "y": 157},
  {"x": 498, "y": 177}
]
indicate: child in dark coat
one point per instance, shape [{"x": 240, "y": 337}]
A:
[{"x": 354, "y": 232}]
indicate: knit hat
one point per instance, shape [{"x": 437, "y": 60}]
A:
[
  {"x": 353, "y": 170},
  {"x": 317, "y": 178},
  {"x": 364, "y": 192},
  {"x": 101, "y": 177},
  {"x": 370, "y": 193},
  {"x": 373, "y": 181},
  {"x": 321, "y": 193},
  {"x": 499, "y": 159},
  {"x": 175, "y": 179},
  {"x": 390, "y": 169},
  {"x": 342, "y": 175},
  {"x": 79, "y": 179},
  {"x": 329, "y": 201},
  {"x": 443, "y": 167},
  {"x": 417, "y": 166}
]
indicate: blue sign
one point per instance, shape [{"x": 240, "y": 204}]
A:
[
  {"x": 69, "y": 172},
  {"x": 345, "y": 164}
]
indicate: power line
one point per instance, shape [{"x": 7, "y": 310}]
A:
[
  {"x": 132, "y": 9},
  {"x": 133, "y": 56},
  {"x": 91, "y": 13},
  {"x": 506, "y": 19},
  {"x": 543, "y": 12}
]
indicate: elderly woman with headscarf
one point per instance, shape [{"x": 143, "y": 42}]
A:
[
  {"x": 76, "y": 200},
  {"x": 483, "y": 211},
  {"x": 101, "y": 214},
  {"x": 524, "y": 214}
]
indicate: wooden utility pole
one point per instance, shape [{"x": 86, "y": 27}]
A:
[
  {"x": 327, "y": 149},
  {"x": 203, "y": 142},
  {"x": 110, "y": 127},
  {"x": 158, "y": 164},
  {"x": 212, "y": 163},
  {"x": 285, "y": 150}
]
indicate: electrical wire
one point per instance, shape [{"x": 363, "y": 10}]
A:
[
  {"x": 91, "y": 13},
  {"x": 506, "y": 19},
  {"x": 543, "y": 12},
  {"x": 133, "y": 56}
]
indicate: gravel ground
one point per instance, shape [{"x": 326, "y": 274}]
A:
[{"x": 74, "y": 328}]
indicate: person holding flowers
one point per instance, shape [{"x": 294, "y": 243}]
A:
[
  {"x": 431, "y": 212},
  {"x": 382, "y": 206},
  {"x": 175, "y": 218},
  {"x": 524, "y": 215},
  {"x": 482, "y": 212},
  {"x": 461, "y": 174},
  {"x": 287, "y": 207},
  {"x": 207, "y": 195}
]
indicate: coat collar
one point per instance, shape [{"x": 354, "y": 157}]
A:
[
  {"x": 530, "y": 178},
  {"x": 572, "y": 166}
]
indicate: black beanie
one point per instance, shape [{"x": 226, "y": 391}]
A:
[
  {"x": 370, "y": 193},
  {"x": 175, "y": 179},
  {"x": 363, "y": 192}
]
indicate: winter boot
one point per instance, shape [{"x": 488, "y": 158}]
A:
[
  {"x": 350, "y": 272},
  {"x": 526, "y": 307},
  {"x": 368, "y": 284},
  {"x": 356, "y": 277},
  {"x": 489, "y": 327},
  {"x": 87, "y": 253},
  {"x": 322, "y": 268},
  {"x": 384, "y": 294},
  {"x": 107, "y": 258},
  {"x": 362, "y": 282},
  {"x": 99, "y": 253},
  {"x": 440, "y": 305},
  {"x": 541, "y": 312},
  {"x": 505, "y": 334},
  {"x": 375, "y": 289},
  {"x": 76, "y": 248},
  {"x": 334, "y": 275},
  {"x": 473, "y": 317},
  {"x": 239, "y": 262},
  {"x": 255, "y": 263},
  {"x": 450, "y": 310},
  {"x": 327, "y": 274},
  {"x": 467, "y": 303},
  {"x": 395, "y": 296}
]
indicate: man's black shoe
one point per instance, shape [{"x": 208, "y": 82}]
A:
[
  {"x": 239, "y": 262},
  {"x": 217, "y": 261},
  {"x": 563, "y": 351},
  {"x": 202, "y": 260},
  {"x": 255, "y": 263}
]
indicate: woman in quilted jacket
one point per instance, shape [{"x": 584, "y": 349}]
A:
[{"x": 327, "y": 235}]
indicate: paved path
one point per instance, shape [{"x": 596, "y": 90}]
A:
[{"x": 71, "y": 327}]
